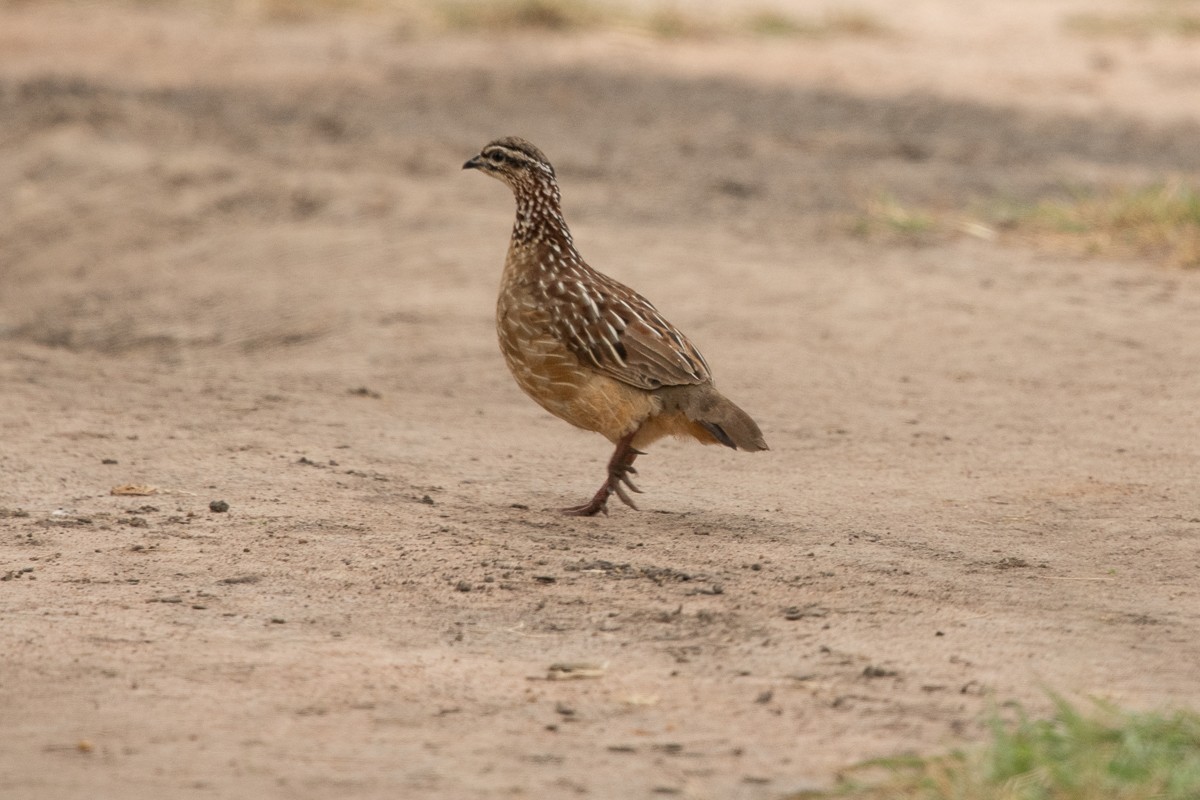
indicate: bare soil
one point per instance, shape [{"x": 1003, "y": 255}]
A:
[{"x": 239, "y": 262}]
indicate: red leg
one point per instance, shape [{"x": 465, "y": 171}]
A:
[{"x": 620, "y": 467}]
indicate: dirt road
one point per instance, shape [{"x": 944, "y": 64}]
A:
[{"x": 239, "y": 262}]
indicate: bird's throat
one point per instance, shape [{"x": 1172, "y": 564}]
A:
[{"x": 539, "y": 217}]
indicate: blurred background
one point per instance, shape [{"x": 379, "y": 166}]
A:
[
  {"x": 189, "y": 173},
  {"x": 947, "y": 252}
]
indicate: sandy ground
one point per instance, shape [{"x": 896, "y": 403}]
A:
[{"x": 239, "y": 262}]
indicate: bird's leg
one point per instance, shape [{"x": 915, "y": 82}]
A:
[
  {"x": 620, "y": 467},
  {"x": 619, "y": 472}
]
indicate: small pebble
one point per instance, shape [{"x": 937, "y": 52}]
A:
[{"x": 218, "y": 506}]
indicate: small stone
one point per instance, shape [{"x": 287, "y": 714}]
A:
[{"x": 218, "y": 506}]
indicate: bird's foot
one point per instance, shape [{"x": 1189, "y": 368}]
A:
[
  {"x": 591, "y": 508},
  {"x": 618, "y": 475},
  {"x": 585, "y": 510},
  {"x": 620, "y": 467},
  {"x": 618, "y": 479}
]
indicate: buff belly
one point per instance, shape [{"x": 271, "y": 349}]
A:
[{"x": 554, "y": 378}]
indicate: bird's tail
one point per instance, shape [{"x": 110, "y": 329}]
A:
[{"x": 717, "y": 416}]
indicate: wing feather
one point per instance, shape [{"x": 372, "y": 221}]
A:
[{"x": 620, "y": 333}]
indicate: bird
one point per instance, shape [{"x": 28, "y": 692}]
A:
[{"x": 589, "y": 349}]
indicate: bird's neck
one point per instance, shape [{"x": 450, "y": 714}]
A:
[{"x": 539, "y": 218}]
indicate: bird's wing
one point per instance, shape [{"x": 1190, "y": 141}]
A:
[{"x": 621, "y": 334}]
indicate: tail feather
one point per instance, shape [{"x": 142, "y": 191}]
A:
[
  {"x": 718, "y": 433},
  {"x": 717, "y": 415}
]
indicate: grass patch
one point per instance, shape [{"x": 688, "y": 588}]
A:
[
  {"x": 775, "y": 23},
  {"x": 885, "y": 216},
  {"x": 508, "y": 15},
  {"x": 1167, "y": 18},
  {"x": 1105, "y": 754},
  {"x": 851, "y": 22},
  {"x": 848, "y": 22},
  {"x": 671, "y": 23},
  {"x": 667, "y": 22},
  {"x": 1160, "y": 222},
  {"x": 306, "y": 10}
]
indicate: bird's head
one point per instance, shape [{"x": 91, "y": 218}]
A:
[{"x": 516, "y": 162}]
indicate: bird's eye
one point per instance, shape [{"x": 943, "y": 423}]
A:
[{"x": 496, "y": 157}]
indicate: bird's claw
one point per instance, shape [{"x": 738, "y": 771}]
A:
[
  {"x": 626, "y": 499},
  {"x": 619, "y": 470}
]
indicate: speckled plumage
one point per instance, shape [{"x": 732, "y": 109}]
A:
[{"x": 589, "y": 349}]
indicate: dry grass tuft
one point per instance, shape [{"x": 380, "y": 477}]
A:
[
  {"x": 1166, "y": 18},
  {"x": 674, "y": 21},
  {"x": 886, "y": 217},
  {"x": 671, "y": 23},
  {"x": 1160, "y": 222},
  {"x": 509, "y": 15},
  {"x": 851, "y": 22},
  {"x": 847, "y": 22},
  {"x": 668, "y": 22}
]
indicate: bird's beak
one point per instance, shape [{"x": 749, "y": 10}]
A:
[{"x": 474, "y": 163}]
